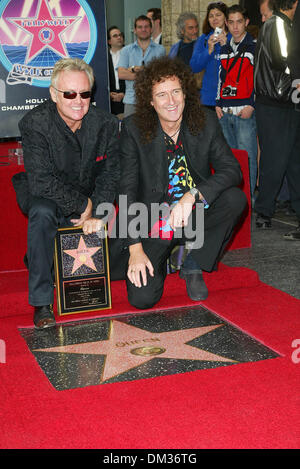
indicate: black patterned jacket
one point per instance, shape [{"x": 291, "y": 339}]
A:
[{"x": 64, "y": 168}]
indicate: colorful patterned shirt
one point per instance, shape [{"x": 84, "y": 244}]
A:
[{"x": 180, "y": 182}]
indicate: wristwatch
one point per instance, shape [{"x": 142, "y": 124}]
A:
[
  {"x": 132, "y": 69},
  {"x": 195, "y": 193}
]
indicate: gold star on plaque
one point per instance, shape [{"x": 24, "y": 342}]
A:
[{"x": 128, "y": 347}]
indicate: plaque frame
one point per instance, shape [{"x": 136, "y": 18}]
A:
[{"x": 86, "y": 288}]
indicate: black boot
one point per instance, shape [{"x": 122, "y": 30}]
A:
[{"x": 195, "y": 285}]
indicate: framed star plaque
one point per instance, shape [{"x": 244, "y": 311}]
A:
[{"x": 81, "y": 271}]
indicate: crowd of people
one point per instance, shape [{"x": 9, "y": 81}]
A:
[
  {"x": 181, "y": 114},
  {"x": 223, "y": 60}
]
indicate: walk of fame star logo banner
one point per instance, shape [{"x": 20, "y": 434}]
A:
[
  {"x": 34, "y": 34},
  {"x": 81, "y": 271}
]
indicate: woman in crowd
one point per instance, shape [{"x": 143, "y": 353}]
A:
[{"x": 207, "y": 49}]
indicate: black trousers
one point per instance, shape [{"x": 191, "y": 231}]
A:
[
  {"x": 44, "y": 217},
  {"x": 219, "y": 222},
  {"x": 279, "y": 139}
]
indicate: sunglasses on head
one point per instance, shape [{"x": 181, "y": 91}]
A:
[
  {"x": 73, "y": 94},
  {"x": 215, "y": 3}
]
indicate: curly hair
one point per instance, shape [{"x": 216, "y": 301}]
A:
[
  {"x": 156, "y": 71},
  {"x": 180, "y": 23}
]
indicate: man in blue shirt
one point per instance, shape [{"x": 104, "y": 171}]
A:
[{"x": 136, "y": 55}]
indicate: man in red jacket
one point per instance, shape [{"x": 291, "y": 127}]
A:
[{"x": 235, "y": 99}]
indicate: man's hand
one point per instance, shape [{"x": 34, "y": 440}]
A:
[
  {"x": 85, "y": 215},
  {"x": 126, "y": 73},
  {"x": 88, "y": 223},
  {"x": 180, "y": 214},
  {"x": 247, "y": 112},
  {"x": 219, "y": 112},
  {"x": 92, "y": 225},
  {"x": 137, "y": 265},
  {"x": 116, "y": 97}
]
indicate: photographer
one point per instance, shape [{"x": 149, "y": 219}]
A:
[
  {"x": 206, "y": 54},
  {"x": 235, "y": 98}
]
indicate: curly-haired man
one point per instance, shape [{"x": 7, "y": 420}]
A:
[{"x": 167, "y": 149}]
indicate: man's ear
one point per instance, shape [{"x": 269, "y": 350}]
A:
[
  {"x": 247, "y": 22},
  {"x": 53, "y": 94}
]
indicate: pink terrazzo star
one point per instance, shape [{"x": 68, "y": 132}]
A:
[
  {"x": 82, "y": 255},
  {"x": 128, "y": 347}
]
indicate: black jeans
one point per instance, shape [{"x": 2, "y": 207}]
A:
[
  {"x": 219, "y": 222},
  {"x": 44, "y": 217},
  {"x": 278, "y": 131}
]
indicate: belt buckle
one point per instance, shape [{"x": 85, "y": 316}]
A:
[{"x": 230, "y": 111}]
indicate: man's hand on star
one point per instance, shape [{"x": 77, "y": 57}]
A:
[
  {"x": 92, "y": 225},
  {"x": 89, "y": 224}
]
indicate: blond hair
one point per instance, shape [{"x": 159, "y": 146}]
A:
[{"x": 71, "y": 65}]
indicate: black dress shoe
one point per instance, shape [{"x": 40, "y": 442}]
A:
[
  {"x": 43, "y": 317},
  {"x": 263, "y": 222},
  {"x": 195, "y": 285}
]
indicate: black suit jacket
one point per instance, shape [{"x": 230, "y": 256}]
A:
[
  {"x": 93, "y": 164},
  {"x": 144, "y": 167},
  {"x": 116, "y": 108},
  {"x": 294, "y": 46}
]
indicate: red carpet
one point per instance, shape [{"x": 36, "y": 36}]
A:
[
  {"x": 250, "y": 405},
  {"x": 14, "y": 301}
]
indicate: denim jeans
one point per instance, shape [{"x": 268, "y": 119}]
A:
[
  {"x": 44, "y": 217},
  {"x": 241, "y": 134}
]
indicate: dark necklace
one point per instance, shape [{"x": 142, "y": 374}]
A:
[{"x": 171, "y": 136}]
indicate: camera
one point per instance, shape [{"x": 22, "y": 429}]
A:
[
  {"x": 229, "y": 91},
  {"x": 217, "y": 31}
]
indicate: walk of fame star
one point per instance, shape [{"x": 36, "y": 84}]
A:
[
  {"x": 82, "y": 255},
  {"x": 45, "y": 31},
  {"x": 129, "y": 347}
]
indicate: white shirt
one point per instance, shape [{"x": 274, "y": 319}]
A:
[
  {"x": 157, "y": 39},
  {"x": 115, "y": 60}
]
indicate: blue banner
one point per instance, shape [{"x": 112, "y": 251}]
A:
[{"x": 34, "y": 34}]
